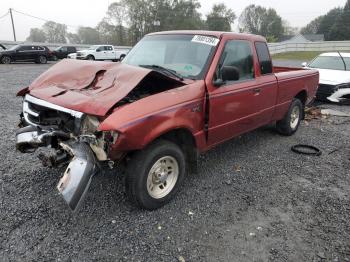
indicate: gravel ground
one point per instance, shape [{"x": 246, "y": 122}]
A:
[{"x": 252, "y": 200}]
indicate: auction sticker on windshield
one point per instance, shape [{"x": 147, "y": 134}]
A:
[{"x": 205, "y": 40}]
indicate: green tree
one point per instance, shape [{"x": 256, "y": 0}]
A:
[
  {"x": 261, "y": 21},
  {"x": 36, "y": 35},
  {"x": 340, "y": 30},
  {"x": 313, "y": 27},
  {"x": 220, "y": 18},
  {"x": 55, "y": 32},
  {"x": 328, "y": 22},
  {"x": 133, "y": 19},
  {"x": 88, "y": 35}
]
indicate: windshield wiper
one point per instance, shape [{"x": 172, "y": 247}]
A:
[{"x": 164, "y": 69}]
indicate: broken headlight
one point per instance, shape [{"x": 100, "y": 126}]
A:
[{"x": 89, "y": 125}]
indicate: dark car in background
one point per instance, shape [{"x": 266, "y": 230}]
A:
[
  {"x": 62, "y": 52},
  {"x": 25, "y": 53}
]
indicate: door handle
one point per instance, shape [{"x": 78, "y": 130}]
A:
[{"x": 256, "y": 91}]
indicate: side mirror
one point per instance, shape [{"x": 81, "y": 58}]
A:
[
  {"x": 229, "y": 73},
  {"x": 304, "y": 64}
]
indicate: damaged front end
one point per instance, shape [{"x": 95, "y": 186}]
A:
[
  {"x": 341, "y": 93},
  {"x": 73, "y": 136}
]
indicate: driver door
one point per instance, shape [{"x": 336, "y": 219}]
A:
[{"x": 233, "y": 105}]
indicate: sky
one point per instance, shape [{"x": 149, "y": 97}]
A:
[{"x": 77, "y": 13}]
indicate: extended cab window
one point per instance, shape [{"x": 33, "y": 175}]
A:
[
  {"x": 237, "y": 54},
  {"x": 264, "y": 58}
]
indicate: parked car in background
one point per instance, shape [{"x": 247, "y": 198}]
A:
[
  {"x": 25, "y": 53},
  {"x": 72, "y": 56},
  {"x": 121, "y": 53},
  {"x": 2, "y": 47},
  {"x": 175, "y": 95},
  {"x": 62, "y": 52},
  {"x": 101, "y": 52},
  {"x": 334, "y": 71}
]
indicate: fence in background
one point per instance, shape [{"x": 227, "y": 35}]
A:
[{"x": 275, "y": 48}]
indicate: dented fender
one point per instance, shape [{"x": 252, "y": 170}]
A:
[{"x": 141, "y": 122}]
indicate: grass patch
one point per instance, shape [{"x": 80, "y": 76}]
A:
[{"x": 302, "y": 55}]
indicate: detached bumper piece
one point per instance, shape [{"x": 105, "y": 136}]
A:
[
  {"x": 76, "y": 180},
  {"x": 29, "y": 138}
]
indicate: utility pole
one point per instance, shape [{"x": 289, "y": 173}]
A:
[{"x": 13, "y": 25}]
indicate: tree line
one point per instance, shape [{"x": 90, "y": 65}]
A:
[
  {"x": 335, "y": 25},
  {"x": 127, "y": 21}
]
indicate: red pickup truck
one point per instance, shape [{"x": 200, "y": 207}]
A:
[{"x": 175, "y": 95}]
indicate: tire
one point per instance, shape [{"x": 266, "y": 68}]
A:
[
  {"x": 90, "y": 57},
  {"x": 54, "y": 58},
  {"x": 151, "y": 190},
  {"x": 291, "y": 121},
  {"x": 5, "y": 60},
  {"x": 121, "y": 58},
  {"x": 42, "y": 59}
]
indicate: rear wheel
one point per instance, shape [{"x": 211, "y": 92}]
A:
[
  {"x": 42, "y": 59},
  {"x": 291, "y": 121},
  {"x": 121, "y": 57},
  {"x": 90, "y": 57},
  {"x": 54, "y": 58},
  {"x": 5, "y": 60},
  {"x": 155, "y": 174}
]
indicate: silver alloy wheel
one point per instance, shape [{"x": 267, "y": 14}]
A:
[
  {"x": 162, "y": 177},
  {"x": 90, "y": 57},
  {"x": 6, "y": 60},
  {"x": 294, "y": 117}
]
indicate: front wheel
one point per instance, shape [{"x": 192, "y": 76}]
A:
[
  {"x": 155, "y": 174},
  {"x": 291, "y": 121},
  {"x": 5, "y": 60}
]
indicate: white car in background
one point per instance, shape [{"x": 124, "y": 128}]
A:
[
  {"x": 334, "y": 71},
  {"x": 102, "y": 52},
  {"x": 72, "y": 56}
]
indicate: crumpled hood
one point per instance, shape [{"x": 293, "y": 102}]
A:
[{"x": 89, "y": 87}]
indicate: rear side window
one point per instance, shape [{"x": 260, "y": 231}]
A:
[{"x": 264, "y": 58}]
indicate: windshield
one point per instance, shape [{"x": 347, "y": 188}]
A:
[
  {"x": 331, "y": 62},
  {"x": 187, "y": 55}
]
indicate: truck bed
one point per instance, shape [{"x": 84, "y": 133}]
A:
[{"x": 279, "y": 69}]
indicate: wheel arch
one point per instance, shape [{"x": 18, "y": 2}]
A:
[
  {"x": 302, "y": 96},
  {"x": 185, "y": 139}
]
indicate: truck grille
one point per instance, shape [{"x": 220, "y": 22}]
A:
[{"x": 40, "y": 113}]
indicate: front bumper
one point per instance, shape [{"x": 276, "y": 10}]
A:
[
  {"x": 82, "y": 161},
  {"x": 338, "y": 96}
]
